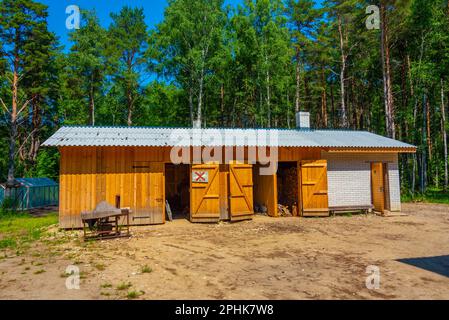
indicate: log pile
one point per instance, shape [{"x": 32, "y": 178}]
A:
[
  {"x": 288, "y": 192},
  {"x": 289, "y": 186},
  {"x": 284, "y": 211}
]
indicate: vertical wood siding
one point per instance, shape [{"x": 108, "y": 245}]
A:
[{"x": 90, "y": 175}]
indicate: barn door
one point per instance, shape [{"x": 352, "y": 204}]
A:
[
  {"x": 377, "y": 187},
  {"x": 205, "y": 191},
  {"x": 265, "y": 192},
  {"x": 240, "y": 191},
  {"x": 149, "y": 192},
  {"x": 314, "y": 188}
]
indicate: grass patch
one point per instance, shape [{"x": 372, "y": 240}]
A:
[
  {"x": 134, "y": 294},
  {"x": 39, "y": 271},
  {"x": 100, "y": 267},
  {"x": 17, "y": 229},
  {"x": 8, "y": 243},
  {"x": 430, "y": 196},
  {"x": 124, "y": 286},
  {"x": 146, "y": 269},
  {"x": 106, "y": 285}
]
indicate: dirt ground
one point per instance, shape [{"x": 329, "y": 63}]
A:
[{"x": 267, "y": 258}]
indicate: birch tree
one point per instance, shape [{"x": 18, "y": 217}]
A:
[{"x": 188, "y": 40}]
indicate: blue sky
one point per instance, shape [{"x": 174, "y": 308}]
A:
[{"x": 154, "y": 11}]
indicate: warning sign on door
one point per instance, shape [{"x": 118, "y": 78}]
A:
[{"x": 200, "y": 176}]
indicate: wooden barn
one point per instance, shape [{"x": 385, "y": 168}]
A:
[{"x": 208, "y": 175}]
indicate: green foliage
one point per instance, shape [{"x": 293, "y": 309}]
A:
[
  {"x": 134, "y": 294},
  {"x": 19, "y": 229},
  {"x": 248, "y": 65},
  {"x": 125, "y": 53},
  {"x": 85, "y": 70},
  {"x": 432, "y": 195},
  {"x": 124, "y": 286},
  {"x": 146, "y": 269}
]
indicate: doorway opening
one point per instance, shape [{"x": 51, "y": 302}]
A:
[
  {"x": 177, "y": 190},
  {"x": 287, "y": 186}
]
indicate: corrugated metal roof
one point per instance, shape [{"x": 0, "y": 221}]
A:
[
  {"x": 36, "y": 182},
  {"x": 155, "y": 137}
]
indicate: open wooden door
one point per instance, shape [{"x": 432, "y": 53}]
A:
[
  {"x": 265, "y": 191},
  {"x": 377, "y": 186},
  {"x": 241, "y": 191},
  {"x": 314, "y": 191},
  {"x": 149, "y": 193},
  {"x": 205, "y": 193}
]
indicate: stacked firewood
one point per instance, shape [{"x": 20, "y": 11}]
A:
[
  {"x": 290, "y": 186},
  {"x": 284, "y": 211},
  {"x": 288, "y": 193}
]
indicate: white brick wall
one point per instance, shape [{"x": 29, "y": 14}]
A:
[{"x": 349, "y": 178}]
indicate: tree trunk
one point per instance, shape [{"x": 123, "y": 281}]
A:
[
  {"x": 323, "y": 100},
  {"x": 200, "y": 94},
  {"x": 36, "y": 123},
  {"x": 443, "y": 129},
  {"x": 413, "y": 183},
  {"x": 288, "y": 110},
  {"x": 13, "y": 124},
  {"x": 191, "y": 104},
  {"x": 404, "y": 84},
  {"x": 130, "y": 107},
  {"x": 268, "y": 99},
  {"x": 92, "y": 102},
  {"x": 306, "y": 94},
  {"x": 428, "y": 130},
  {"x": 333, "y": 106},
  {"x": 222, "y": 103},
  {"x": 423, "y": 177},
  {"x": 268, "y": 90},
  {"x": 386, "y": 70},
  {"x": 298, "y": 80},
  {"x": 342, "y": 74}
]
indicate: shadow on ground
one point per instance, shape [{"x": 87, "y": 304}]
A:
[{"x": 439, "y": 265}]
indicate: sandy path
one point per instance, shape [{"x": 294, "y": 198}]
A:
[{"x": 287, "y": 258}]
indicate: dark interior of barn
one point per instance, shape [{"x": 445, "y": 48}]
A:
[
  {"x": 287, "y": 186},
  {"x": 177, "y": 190}
]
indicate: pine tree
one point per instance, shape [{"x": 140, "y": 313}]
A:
[
  {"x": 129, "y": 31},
  {"x": 86, "y": 63},
  {"x": 20, "y": 20}
]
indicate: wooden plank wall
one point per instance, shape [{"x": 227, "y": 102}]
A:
[
  {"x": 89, "y": 175},
  {"x": 265, "y": 192}
]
